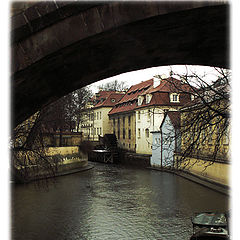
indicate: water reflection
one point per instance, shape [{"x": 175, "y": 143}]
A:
[{"x": 111, "y": 202}]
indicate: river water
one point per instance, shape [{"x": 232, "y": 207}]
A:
[{"x": 111, "y": 202}]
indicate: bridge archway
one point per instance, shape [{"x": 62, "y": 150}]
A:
[{"x": 61, "y": 48}]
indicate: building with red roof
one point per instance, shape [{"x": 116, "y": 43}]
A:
[
  {"x": 94, "y": 120},
  {"x": 140, "y": 111}
]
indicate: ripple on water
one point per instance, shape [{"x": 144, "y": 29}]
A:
[{"x": 111, "y": 202}]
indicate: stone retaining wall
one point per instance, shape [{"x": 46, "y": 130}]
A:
[{"x": 68, "y": 158}]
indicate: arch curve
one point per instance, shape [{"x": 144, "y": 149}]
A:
[{"x": 92, "y": 42}]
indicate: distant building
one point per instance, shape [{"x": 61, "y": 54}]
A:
[
  {"x": 95, "y": 121},
  {"x": 142, "y": 108}
]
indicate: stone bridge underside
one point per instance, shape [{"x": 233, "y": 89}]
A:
[{"x": 58, "y": 47}]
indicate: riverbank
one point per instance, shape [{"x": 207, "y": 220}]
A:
[
  {"x": 143, "y": 161},
  {"x": 143, "y": 204},
  {"x": 62, "y": 161},
  {"x": 202, "y": 181}
]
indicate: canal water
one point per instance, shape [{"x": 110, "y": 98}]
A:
[{"x": 111, "y": 202}]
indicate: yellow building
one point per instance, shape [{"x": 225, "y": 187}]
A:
[
  {"x": 205, "y": 142},
  {"x": 95, "y": 121}
]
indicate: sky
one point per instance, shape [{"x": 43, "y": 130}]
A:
[{"x": 134, "y": 77}]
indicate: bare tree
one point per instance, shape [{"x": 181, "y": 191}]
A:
[
  {"x": 204, "y": 127},
  {"x": 28, "y": 142},
  {"x": 114, "y": 85},
  {"x": 77, "y": 103},
  {"x": 29, "y": 159},
  {"x": 64, "y": 114}
]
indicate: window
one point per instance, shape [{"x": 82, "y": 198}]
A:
[
  {"x": 118, "y": 134},
  {"x": 100, "y": 115},
  {"x": 129, "y": 120},
  {"x": 100, "y": 133},
  {"x": 118, "y": 122},
  {"x": 129, "y": 145},
  {"x": 97, "y": 115},
  {"x": 139, "y": 115},
  {"x": 148, "y": 98},
  {"x": 140, "y": 100},
  {"x": 114, "y": 123},
  {"x": 174, "y": 97},
  {"x": 139, "y": 133},
  {"x": 123, "y": 133},
  {"x": 149, "y": 114},
  {"x": 129, "y": 133},
  {"x": 147, "y": 133}
]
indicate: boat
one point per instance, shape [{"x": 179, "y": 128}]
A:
[{"x": 210, "y": 225}]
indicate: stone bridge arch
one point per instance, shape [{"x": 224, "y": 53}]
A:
[{"x": 58, "y": 47}]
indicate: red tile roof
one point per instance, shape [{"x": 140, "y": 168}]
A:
[
  {"x": 101, "y": 94},
  {"x": 160, "y": 95},
  {"x": 172, "y": 85},
  {"x": 136, "y": 90},
  {"x": 108, "y": 99},
  {"x": 175, "y": 118}
]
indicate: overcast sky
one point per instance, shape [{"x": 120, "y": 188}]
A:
[{"x": 134, "y": 77}]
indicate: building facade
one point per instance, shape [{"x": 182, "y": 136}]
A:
[
  {"x": 145, "y": 103},
  {"x": 94, "y": 119},
  {"x": 205, "y": 141},
  {"x": 166, "y": 142}
]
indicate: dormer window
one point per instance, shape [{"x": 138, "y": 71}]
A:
[
  {"x": 113, "y": 100},
  {"x": 192, "y": 97},
  {"x": 174, "y": 97},
  {"x": 148, "y": 98},
  {"x": 140, "y": 100}
]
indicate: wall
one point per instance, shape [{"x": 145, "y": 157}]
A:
[
  {"x": 168, "y": 143},
  {"x": 71, "y": 160},
  {"x": 163, "y": 145},
  {"x": 97, "y": 123},
  {"x": 214, "y": 171},
  {"x": 51, "y": 151},
  {"x": 144, "y": 145},
  {"x": 134, "y": 159},
  {"x": 146, "y": 121},
  {"x": 106, "y": 123},
  {"x": 155, "y": 160},
  {"x": 125, "y": 143}
]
